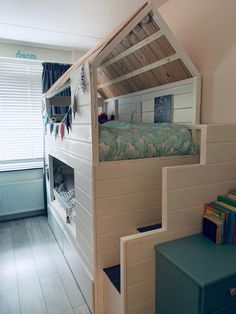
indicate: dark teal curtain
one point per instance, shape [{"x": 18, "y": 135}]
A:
[{"x": 51, "y": 73}]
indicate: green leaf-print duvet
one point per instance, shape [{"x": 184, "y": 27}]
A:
[{"x": 124, "y": 140}]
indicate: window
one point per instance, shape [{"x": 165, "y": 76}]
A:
[{"x": 21, "y": 125}]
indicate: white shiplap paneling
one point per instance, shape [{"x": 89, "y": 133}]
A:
[{"x": 185, "y": 190}]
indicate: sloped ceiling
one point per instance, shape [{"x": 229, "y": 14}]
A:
[{"x": 71, "y": 24}]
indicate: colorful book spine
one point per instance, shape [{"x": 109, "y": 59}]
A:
[
  {"x": 232, "y": 191},
  {"x": 213, "y": 209},
  {"x": 226, "y": 200},
  {"x": 219, "y": 219},
  {"x": 230, "y": 204},
  {"x": 232, "y": 196},
  {"x": 212, "y": 228}
]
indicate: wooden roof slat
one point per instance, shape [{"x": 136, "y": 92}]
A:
[
  {"x": 172, "y": 41},
  {"x": 139, "y": 59},
  {"x": 158, "y": 49},
  {"x": 141, "y": 70},
  {"x": 174, "y": 71},
  {"x": 128, "y": 51},
  {"x": 131, "y": 63},
  {"x": 116, "y": 70},
  {"x": 151, "y": 55},
  {"x": 105, "y": 76}
]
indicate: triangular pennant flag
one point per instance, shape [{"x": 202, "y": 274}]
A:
[
  {"x": 46, "y": 119},
  {"x": 75, "y": 104},
  {"x": 62, "y": 130},
  {"x": 56, "y": 130},
  {"x": 82, "y": 80},
  {"x": 68, "y": 125},
  {"x": 70, "y": 119},
  {"x": 51, "y": 128}
]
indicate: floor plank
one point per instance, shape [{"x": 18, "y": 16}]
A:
[
  {"x": 5, "y": 224},
  {"x": 9, "y": 300},
  {"x": 20, "y": 239},
  {"x": 34, "y": 275},
  {"x": 47, "y": 232},
  {"x": 67, "y": 278},
  {"x": 56, "y": 299},
  {"x": 24, "y": 260},
  {"x": 30, "y": 293},
  {"x": 7, "y": 269},
  {"x": 44, "y": 264},
  {"x": 82, "y": 310}
]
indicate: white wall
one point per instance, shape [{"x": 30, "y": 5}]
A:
[
  {"x": 206, "y": 30},
  {"x": 76, "y": 55},
  {"x": 42, "y": 54}
]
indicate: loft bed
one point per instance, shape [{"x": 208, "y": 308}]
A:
[{"x": 117, "y": 194}]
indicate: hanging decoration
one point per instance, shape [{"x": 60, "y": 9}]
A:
[
  {"x": 56, "y": 130},
  {"x": 82, "y": 80},
  {"x": 75, "y": 104},
  {"x": 46, "y": 118},
  {"x": 67, "y": 122},
  {"x": 62, "y": 130},
  {"x": 51, "y": 127}
]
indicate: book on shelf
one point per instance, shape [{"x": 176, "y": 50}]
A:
[
  {"x": 232, "y": 191},
  {"x": 232, "y": 196},
  {"x": 212, "y": 228},
  {"x": 226, "y": 200},
  {"x": 219, "y": 220},
  {"x": 232, "y": 218},
  {"x": 216, "y": 210}
]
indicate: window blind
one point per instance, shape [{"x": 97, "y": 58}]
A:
[{"x": 21, "y": 125}]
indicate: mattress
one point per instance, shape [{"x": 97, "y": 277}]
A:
[
  {"x": 120, "y": 140},
  {"x": 65, "y": 194}
]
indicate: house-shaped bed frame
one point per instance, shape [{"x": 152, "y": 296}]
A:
[{"x": 114, "y": 198}]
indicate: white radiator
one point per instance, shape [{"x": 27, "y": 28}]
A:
[{"x": 21, "y": 192}]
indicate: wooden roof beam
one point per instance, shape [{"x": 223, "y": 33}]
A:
[
  {"x": 56, "y": 92},
  {"x": 144, "y": 69},
  {"x": 132, "y": 49}
]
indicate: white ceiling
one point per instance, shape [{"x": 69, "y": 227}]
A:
[{"x": 70, "y": 24}]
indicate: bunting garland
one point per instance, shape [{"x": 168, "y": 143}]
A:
[
  {"x": 56, "y": 127},
  {"x": 62, "y": 130}
]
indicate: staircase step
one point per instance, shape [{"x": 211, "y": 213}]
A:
[
  {"x": 113, "y": 273},
  {"x": 149, "y": 228}
]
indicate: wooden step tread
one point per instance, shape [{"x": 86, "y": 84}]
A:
[
  {"x": 149, "y": 228},
  {"x": 113, "y": 273}
]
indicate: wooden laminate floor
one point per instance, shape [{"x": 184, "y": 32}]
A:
[{"x": 34, "y": 275}]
